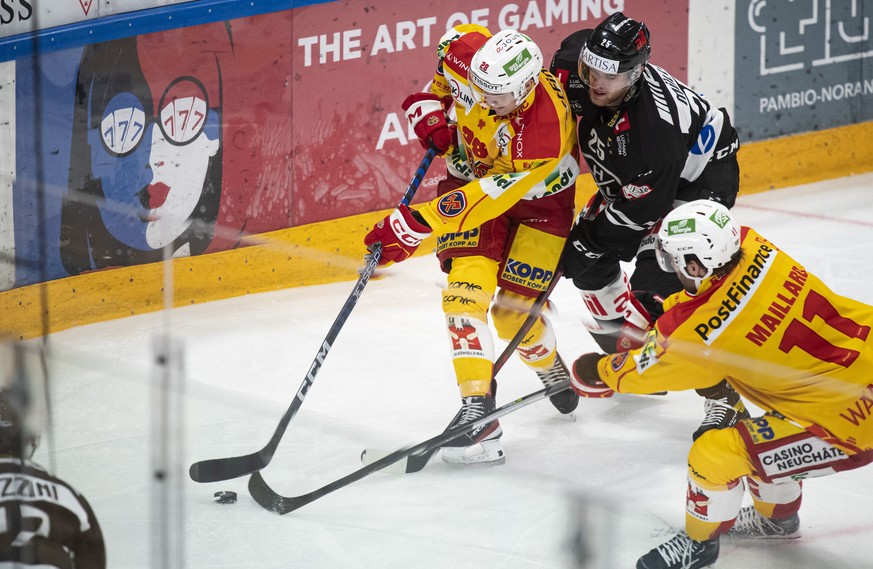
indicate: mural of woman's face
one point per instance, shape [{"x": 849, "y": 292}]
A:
[
  {"x": 183, "y": 142},
  {"x": 152, "y": 169}
]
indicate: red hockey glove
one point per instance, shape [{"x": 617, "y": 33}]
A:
[
  {"x": 585, "y": 380},
  {"x": 400, "y": 234},
  {"x": 640, "y": 314},
  {"x": 426, "y": 113}
]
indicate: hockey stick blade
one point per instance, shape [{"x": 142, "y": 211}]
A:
[
  {"x": 267, "y": 498},
  {"x": 406, "y": 465},
  {"x": 216, "y": 469}
]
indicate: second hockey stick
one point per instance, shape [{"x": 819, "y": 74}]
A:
[
  {"x": 415, "y": 462},
  {"x": 216, "y": 469},
  {"x": 267, "y": 498},
  {"x": 413, "y": 459}
]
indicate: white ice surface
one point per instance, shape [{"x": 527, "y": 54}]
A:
[{"x": 388, "y": 382}]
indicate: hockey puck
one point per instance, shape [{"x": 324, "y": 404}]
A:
[{"x": 225, "y": 497}]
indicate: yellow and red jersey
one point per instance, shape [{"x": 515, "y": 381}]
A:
[
  {"x": 526, "y": 155},
  {"x": 784, "y": 340}
]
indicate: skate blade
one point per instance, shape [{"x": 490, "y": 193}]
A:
[
  {"x": 470, "y": 461},
  {"x": 485, "y": 457},
  {"x": 794, "y": 535}
]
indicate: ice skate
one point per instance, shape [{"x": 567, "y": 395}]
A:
[
  {"x": 721, "y": 413},
  {"x": 566, "y": 401},
  {"x": 481, "y": 445},
  {"x": 752, "y": 525},
  {"x": 681, "y": 552}
]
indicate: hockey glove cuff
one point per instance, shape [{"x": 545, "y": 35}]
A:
[
  {"x": 585, "y": 379},
  {"x": 641, "y": 311},
  {"x": 400, "y": 234}
]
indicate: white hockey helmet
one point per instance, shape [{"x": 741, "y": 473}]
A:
[
  {"x": 508, "y": 64},
  {"x": 701, "y": 230}
]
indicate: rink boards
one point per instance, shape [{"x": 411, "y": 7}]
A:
[{"x": 309, "y": 149}]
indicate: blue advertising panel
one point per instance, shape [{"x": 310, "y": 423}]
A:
[{"x": 802, "y": 65}]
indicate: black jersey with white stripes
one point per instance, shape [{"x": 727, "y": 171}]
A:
[
  {"x": 662, "y": 144},
  {"x": 44, "y": 522}
]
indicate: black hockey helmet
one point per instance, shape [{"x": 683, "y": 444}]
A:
[
  {"x": 619, "y": 44},
  {"x": 15, "y": 438}
]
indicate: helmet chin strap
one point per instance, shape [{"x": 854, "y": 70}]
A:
[
  {"x": 681, "y": 267},
  {"x": 697, "y": 282},
  {"x": 634, "y": 88}
]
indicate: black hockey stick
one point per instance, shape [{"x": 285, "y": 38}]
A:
[
  {"x": 216, "y": 469},
  {"x": 270, "y": 500},
  {"x": 415, "y": 462}
]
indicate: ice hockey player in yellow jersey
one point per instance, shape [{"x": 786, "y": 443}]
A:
[
  {"x": 502, "y": 213},
  {"x": 787, "y": 343}
]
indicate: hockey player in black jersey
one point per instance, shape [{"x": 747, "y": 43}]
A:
[
  {"x": 651, "y": 143},
  {"x": 44, "y": 522}
]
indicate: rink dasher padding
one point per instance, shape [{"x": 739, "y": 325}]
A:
[
  {"x": 314, "y": 254},
  {"x": 806, "y": 158},
  {"x": 331, "y": 251}
]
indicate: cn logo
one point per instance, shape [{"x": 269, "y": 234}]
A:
[{"x": 86, "y": 5}]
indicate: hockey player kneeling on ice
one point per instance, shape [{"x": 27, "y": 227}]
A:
[
  {"x": 651, "y": 143},
  {"x": 49, "y": 523},
  {"x": 789, "y": 345},
  {"x": 502, "y": 214}
]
